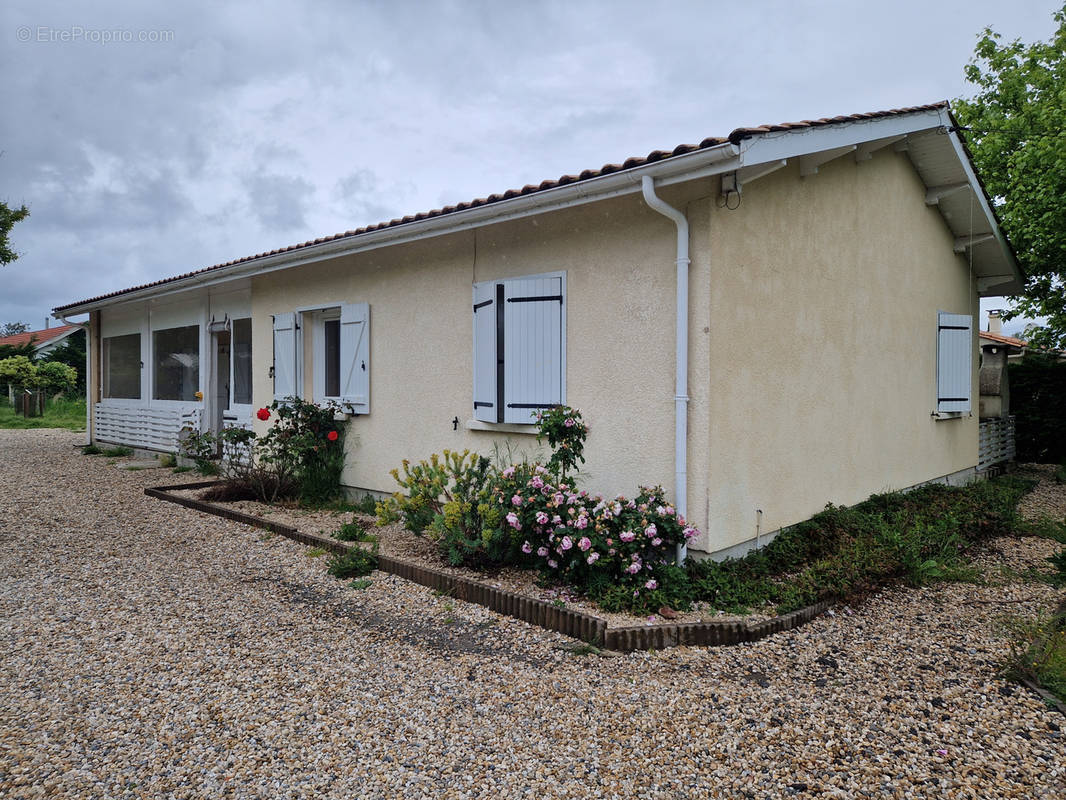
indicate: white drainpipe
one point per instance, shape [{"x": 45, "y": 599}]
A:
[
  {"x": 681, "y": 368},
  {"x": 88, "y": 377}
]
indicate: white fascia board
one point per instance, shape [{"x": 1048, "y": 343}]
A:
[
  {"x": 805, "y": 141},
  {"x": 982, "y": 203},
  {"x": 676, "y": 169}
]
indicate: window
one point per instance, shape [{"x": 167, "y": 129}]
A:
[
  {"x": 242, "y": 361},
  {"x": 519, "y": 347},
  {"x": 122, "y": 366},
  {"x": 176, "y": 362},
  {"x": 954, "y": 363},
  {"x": 341, "y": 352}
]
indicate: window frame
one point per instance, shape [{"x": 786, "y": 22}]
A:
[
  {"x": 318, "y": 350},
  {"x": 105, "y": 363},
  {"x": 164, "y": 402}
]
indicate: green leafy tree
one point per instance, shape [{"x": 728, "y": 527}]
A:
[
  {"x": 13, "y": 328},
  {"x": 56, "y": 377},
  {"x": 1015, "y": 127},
  {"x": 18, "y": 371},
  {"x": 72, "y": 353},
  {"x": 8, "y": 218}
]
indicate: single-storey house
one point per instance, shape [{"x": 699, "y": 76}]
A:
[
  {"x": 725, "y": 315},
  {"x": 43, "y": 341}
]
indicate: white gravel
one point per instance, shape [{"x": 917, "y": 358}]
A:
[{"x": 147, "y": 650}]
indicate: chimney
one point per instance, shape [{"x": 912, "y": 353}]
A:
[
  {"x": 46, "y": 323},
  {"x": 995, "y": 322}
]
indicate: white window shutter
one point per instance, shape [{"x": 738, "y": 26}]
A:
[
  {"x": 485, "y": 400},
  {"x": 284, "y": 356},
  {"x": 954, "y": 366},
  {"x": 355, "y": 357},
  {"x": 533, "y": 346}
]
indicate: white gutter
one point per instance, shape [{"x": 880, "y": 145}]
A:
[
  {"x": 675, "y": 169},
  {"x": 88, "y": 376},
  {"x": 681, "y": 367}
]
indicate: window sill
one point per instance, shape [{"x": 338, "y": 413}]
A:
[
  {"x": 500, "y": 427},
  {"x": 942, "y": 415}
]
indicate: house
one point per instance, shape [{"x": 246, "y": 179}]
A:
[
  {"x": 725, "y": 315},
  {"x": 43, "y": 341}
]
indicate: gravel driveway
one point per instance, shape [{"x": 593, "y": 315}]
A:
[{"x": 147, "y": 650}]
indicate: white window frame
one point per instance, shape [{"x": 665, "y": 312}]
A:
[
  {"x": 105, "y": 361},
  {"x": 318, "y": 346},
  {"x": 499, "y": 421},
  {"x": 238, "y": 410},
  {"x": 949, "y": 343}
]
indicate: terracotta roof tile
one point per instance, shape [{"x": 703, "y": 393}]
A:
[
  {"x": 735, "y": 137},
  {"x": 37, "y": 337}
]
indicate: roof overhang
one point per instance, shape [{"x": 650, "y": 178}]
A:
[{"x": 927, "y": 135}]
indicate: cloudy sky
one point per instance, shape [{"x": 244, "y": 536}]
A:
[{"x": 152, "y": 139}]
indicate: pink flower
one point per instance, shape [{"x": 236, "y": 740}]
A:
[
  {"x": 652, "y": 584},
  {"x": 569, "y": 422},
  {"x": 656, "y": 541},
  {"x": 512, "y": 520},
  {"x": 584, "y": 543},
  {"x": 516, "y": 500},
  {"x": 593, "y": 557},
  {"x": 633, "y": 568},
  {"x": 536, "y": 482},
  {"x": 582, "y": 522},
  {"x": 558, "y": 498},
  {"x": 691, "y": 532},
  {"x": 540, "y": 470},
  {"x": 509, "y": 472},
  {"x": 542, "y": 518},
  {"x": 651, "y": 530},
  {"x": 527, "y": 547},
  {"x": 542, "y": 551},
  {"x": 627, "y": 536},
  {"x": 552, "y": 563},
  {"x": 567, "y": 543},
  {"x": 557, "y": 520}
]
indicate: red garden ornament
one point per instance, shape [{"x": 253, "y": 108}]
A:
[{"x": 263, "y": 414}]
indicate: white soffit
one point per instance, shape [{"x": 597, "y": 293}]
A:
[{"x": 941, "y": 163}]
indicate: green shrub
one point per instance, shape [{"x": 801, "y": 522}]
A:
[
  {"x": 1038, "y": 653},
  {"x": 118, "y": 452},
  {"x": 356, "y": 563},
  {"x": 91, "y": 450},
  {"x": 354, "y": 531},
  {"x": 449, "y": 499}
]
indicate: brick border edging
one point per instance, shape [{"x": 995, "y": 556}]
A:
[{"x": 536, "y": 612}]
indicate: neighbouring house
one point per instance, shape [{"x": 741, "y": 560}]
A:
[
  {"x": 726, "y": 316},
  {"x": 43, "y": 343}
]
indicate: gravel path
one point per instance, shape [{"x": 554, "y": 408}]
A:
[{"x": 150, "y": 651}]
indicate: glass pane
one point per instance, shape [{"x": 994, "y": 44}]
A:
[
  {"x": 242, "y": 361},
  {"x": 176, "y": 354},
  {"x": 122, "y": 366},
  {"x": 333, "y": 357}
]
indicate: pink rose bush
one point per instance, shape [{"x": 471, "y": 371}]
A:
[{"x": 588, "y": 541}]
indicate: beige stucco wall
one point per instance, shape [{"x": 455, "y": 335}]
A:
[
  {"x": 619, "y": 264},
  {"x": 799, "y": 394},
  {"x": 824, "y": 299}
]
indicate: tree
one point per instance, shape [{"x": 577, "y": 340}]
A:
[
  {"x": 13, "y": 328},
  {"x": 18, "y": 371},
  {"x": 8, "y": 218},
  {"x": 56, "y": 377},
  {"x": 1015, "y": 127},
  {"x": 72, "y": 352}
]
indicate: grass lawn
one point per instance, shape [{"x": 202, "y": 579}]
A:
[{"x": 69, "y": 414}]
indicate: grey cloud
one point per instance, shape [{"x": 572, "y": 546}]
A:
[{"x": 279, "y": 202}]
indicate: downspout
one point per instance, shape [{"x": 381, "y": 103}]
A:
[
  {"x": 681, "y": 367},
  {"x": 88, "y": 375}
]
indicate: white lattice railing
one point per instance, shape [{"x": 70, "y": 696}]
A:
[
  {"x": 995, "y": 442},
  {"x": 151, "y": 428}
]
